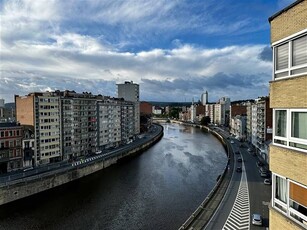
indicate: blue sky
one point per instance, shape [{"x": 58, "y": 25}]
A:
[{"x": 175, "y": 49}]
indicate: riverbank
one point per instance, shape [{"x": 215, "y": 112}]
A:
[
  {"x": 203, "y": 213},
  {"x": 30, "y": 185}
]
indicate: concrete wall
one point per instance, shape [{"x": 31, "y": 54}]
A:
[
  {"x": 25, "y": 109},
  {"x": 282, "y": 27},
  {"x": 289, "y": 93},
  {"x": 280, "y": 222},
  {"x": 288, "y": 163},
  {"x": 36, "y": 184}
]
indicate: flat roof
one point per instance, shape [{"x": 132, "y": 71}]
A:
[{"x": 284, "y": 9}]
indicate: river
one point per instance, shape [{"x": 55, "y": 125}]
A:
[{"x": 158, "y": 189}]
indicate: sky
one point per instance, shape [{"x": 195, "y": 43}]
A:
[{"x": 174, "y": 49}]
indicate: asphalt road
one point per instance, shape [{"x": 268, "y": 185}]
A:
[
  {"x": 64, "y": 166},
  {"x": 259, "y": 194}
]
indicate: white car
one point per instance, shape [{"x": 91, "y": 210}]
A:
[
  {"x": 232, "y": 142},
  {"x": 257, "y": 219}
]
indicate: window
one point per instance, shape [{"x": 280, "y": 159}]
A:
[
  {"x": 282, "y": 56},
  {"x": 299, "y": 47},
  {"x": 299, "y": 125},
  {"x": 291, "y": 57},
  {"x": 281, "y": 123},
  {"x": 290, "y": 128},
  {"x": 281, "y": 189},
  {"x": 290, "y": 199}
]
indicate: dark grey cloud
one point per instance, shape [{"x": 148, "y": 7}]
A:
[
  {"x": 236, "y": 86},
  {"x": 266, "y": 54}
]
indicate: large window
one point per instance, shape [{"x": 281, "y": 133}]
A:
[
  {"x": 299, "y": 125},
  {"x": 291, "y": 57},
  {"x": 290, "y": 128},
  {"x": 281, "y": 123},
  {"x": 290, "y": 199}
]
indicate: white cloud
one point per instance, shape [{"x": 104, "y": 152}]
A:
[{"x": 43, "y": 46}]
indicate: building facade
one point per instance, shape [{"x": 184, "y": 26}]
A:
[
  {"x": 288, "y": 99},
  {"x": 11, "y": 157},
  {"x": 129, "y": 91},
  {"x": 42, "y": 111},
  {"x": 264, "y": 126},
  {"x": 69, "y": 125}
]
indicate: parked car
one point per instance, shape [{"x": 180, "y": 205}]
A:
[
  {"x": 265, "y": 174},
  {"x": 27, "y": 169},
  {"x": 239, "y": 169},
  {"x": 259, "y": 164},
  {"x": 232, "y": 142},
  {"x": 237, "y": 152},
  {"x": 262, "y": 169},
  {"x": 267, "y": 181},
  {"x": 257, "y": 219},
  {"x": 250, "y": 149},
  {"x": 239, "y": 159}
]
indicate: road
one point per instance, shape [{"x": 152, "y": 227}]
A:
[
  {"x": 246, "y": 194},
  {"x": 64, "y": 166}
]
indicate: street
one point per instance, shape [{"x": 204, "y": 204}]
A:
[{"x": 233, "y": 212}]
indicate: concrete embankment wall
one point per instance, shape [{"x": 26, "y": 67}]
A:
[
  {"x": 15, "y": 190},
  {"x": 205, "y": 210}
]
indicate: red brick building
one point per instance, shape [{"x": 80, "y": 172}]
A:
[
  {"x": 11, "y": 156},
  {"x": 145, "y": 108}
]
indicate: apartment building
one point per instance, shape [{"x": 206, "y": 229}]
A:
[
  {"x": 79, "y": 124},
  {"x": 209, "y": 112},
  {"x": 129, "y": 91},
  {"x": 264, "y": 126},
  {"x": 254, "y": 125},
  {"x": 42, "y": 110},
  {"x": 288, "y": 99},
  {"x": 249, "y": 122},
  {"x": 11, "y": 157},
  {"x": 127, "y": 121},
  {"x": 28, "y": 146},
  {"x": 109, "y": 123},
  {"x": 238, "y": 127}
]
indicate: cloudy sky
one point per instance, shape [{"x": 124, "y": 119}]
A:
[{"x": 174, "y": 49}]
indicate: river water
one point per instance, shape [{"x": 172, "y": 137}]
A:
[{"x": 158, "y": 189}]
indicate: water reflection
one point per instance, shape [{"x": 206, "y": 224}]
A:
[{"x": 157, "y": 190}]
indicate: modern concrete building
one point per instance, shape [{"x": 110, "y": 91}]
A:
[
  {"x": 209, "y": 112},
  {"x": 254, "y": 125},
  {"x": 109, "y": 123},
  {"x": 238, "y": 127},
  {"x": 129, "y": 91},
  {"x": 42, "y": 110},
  {"x": 79, "y": 124},
  {"x": 10, "y": 147},
  {"x": 288, "y": 98},
  {"x": 249, "y": 122},
  {"x": 264, "y": 126},
  {"x": 204, "y": 98}
]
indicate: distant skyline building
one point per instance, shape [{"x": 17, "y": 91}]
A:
[{"x": 204, "y": 98}]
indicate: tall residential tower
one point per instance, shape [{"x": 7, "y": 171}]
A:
[{"x": 130, "y": 92}]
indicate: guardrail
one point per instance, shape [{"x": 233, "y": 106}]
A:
[
  {"x": 203, "y": 205},
  {"x": 51, "y": 171}
]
